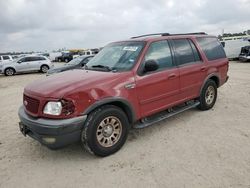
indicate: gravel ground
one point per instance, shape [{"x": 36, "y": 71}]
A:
[{"x": 192, "y": 149}]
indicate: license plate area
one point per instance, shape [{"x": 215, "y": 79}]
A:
[{"x": 23, "y": 128}]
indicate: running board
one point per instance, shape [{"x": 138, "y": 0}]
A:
[{"x": 164, "y": 115}]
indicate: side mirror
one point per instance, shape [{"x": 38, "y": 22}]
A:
[{"x": 150, "y": 65}]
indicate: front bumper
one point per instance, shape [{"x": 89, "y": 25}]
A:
[{"x": 52, "y": 133}]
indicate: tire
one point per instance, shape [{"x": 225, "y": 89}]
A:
[
  {"x": 102, "y": 137},
  {"x": 59, "y": 60},
  {"x": 9, "y": 72},
  {"x": 44, "y": 68},
  {"x": 208, "y": 95},
  {"x": 66, "y": 60}
]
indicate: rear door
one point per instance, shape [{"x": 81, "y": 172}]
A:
[
  {"x": 159, "y": 89},
  {"x": 37, "y": 62},
  {"x": 192, "y": 68}
]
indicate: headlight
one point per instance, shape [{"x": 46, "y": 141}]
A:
[{"x": 53, "y": 108}]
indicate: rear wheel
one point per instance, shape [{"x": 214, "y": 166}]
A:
[
  {"x": 208, "y": 95},
  {"x": 105, "y": 130},
  {"x": 9, "y": 72},
  {"x": 44, "y": 68},
  {"x": 66, "y": 60}
]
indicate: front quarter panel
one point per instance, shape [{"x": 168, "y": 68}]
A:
[{"x": 86, "y": 96}]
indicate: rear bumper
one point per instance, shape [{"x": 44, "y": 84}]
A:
[{"x": 51, "y": 133}]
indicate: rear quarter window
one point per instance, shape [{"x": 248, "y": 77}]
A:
[{"x": 212, "y": 48}]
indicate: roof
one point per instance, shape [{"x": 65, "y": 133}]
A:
[{"x": 160, "y": 36}]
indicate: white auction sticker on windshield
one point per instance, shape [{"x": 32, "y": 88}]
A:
[{"x": 130, "y": 48}]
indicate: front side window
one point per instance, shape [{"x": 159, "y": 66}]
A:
[
  {"x": 160, "y": 52},
  {"x": 212, "y": 48},
  {"x": 184, "y": 52},
  {"x": 115, "y": 57}
]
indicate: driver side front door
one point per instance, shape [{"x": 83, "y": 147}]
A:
[{"x": 158, "y": 90}]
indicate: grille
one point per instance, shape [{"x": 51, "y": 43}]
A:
[{"x": 31, "y": 104}]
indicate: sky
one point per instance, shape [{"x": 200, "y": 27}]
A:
[{"x": 45, "y": 25}]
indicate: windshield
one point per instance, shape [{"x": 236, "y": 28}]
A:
[
  {"x": 76, "y": 60},
  {"x": 116, "y": 57}
]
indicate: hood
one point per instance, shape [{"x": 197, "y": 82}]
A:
[{"x": 61, "y": 84}]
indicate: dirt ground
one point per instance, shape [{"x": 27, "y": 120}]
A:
[{"x": 192, "y": 149}]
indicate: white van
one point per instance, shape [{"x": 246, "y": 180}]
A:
[{"x": 233, "y": 45}]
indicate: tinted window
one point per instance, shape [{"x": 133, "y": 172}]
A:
[
  {"x": 6, "y": 57},
  {"x": 40, "y": 59},
  {"x": 212, "y": 48},
  {"x": 160, "y": 52},
  {"x": 195, "y": 51},
  {"x": 31, "y": 59},
  {"x": 184, "y": 51}
]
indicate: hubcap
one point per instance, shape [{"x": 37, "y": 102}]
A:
[
  {"x": 109, "y": 131},
  {"x": 210, "y": 94},
  {"x": 44, "y": 69},
  {"x": 9, "y": 72}
]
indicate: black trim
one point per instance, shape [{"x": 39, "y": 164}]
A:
[
  {"x": 109, "y": 100},
  {"x": 65, "y": 131},
  {"x": 209, "y": 77}
]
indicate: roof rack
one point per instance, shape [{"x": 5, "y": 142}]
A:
[
  {"x": 196, "y": 33},
  {"x": 162, "y": 34},
  {"x": 167, "y": 34}
]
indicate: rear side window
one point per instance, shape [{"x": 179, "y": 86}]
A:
[
  {"x": 184, "y": 52},
  {"x": 212, "y": 48},
  {"x": 40, "y": 58},
  {"x": 160, "y": 52}
]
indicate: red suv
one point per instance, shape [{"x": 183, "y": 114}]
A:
[{"x": 128, "y": 84}]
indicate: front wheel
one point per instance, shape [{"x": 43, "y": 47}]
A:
[
  {"x": 208, "y": 95},
  {"x": 105, "y": 130},
  {"x": 9, "y": 72},
  {"x": 44, "y": 69}
]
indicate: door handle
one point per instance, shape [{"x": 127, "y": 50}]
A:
[
  {"x": 172, "y": 76},
  {"x": 203, "y": 69}
]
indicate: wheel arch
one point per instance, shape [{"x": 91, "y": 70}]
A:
[
  {"x": 214, "y": 77},
  {"x": 9, "y": 68},
  {"x": 116, "y": 101}
]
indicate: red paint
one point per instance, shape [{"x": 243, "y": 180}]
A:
[{"x": 152, "y": 93}]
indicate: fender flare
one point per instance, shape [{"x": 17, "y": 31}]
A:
[
  {"x": 209, "y": 77},
  {"x": 123, "y": 103}
]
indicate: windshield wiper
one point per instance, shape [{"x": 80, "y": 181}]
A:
[{"x": 102, "y": 67}]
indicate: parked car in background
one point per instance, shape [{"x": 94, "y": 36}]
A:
[
  {"x": 128, "y": 84},
  {"x": 233, "y": 45},
  {"x": 245, "y": 54},
  {"x": 89, "y": 52},
  {"x": 4, "y": 58},
  {"x": 76, "y": 63},
  {"x": 26, "y": 64},
  {"x": 65, "y": 57},
  {"x": 44, "y": 54}
]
